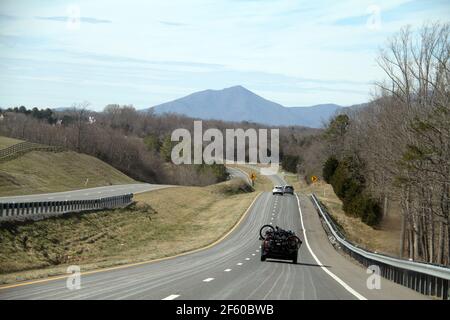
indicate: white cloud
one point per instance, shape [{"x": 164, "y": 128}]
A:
[{"x": 222, "y": 41}]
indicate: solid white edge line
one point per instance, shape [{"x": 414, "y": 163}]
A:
[
  {"x": 171, "y": 297},
  {"x": 331, "y": 274}
]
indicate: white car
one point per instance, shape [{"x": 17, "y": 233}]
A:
[{"x": 277, "y": 190}]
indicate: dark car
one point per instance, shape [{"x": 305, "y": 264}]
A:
[
  {"x": 279, "y": 244},
  {"x": 288, "y": 189}
]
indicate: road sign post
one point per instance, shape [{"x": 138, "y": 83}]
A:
[{"x": 253, "y": 178}]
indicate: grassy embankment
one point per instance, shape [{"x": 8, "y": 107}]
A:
[
  {"x": 385, "y": 238},
  {"x": 6, "y": 142},
  {"x": 43, "y": 172}
]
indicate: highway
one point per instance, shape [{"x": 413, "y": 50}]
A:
[
  {"x": 238, "y": 173},
  {"x": 86, "y": 194},
  {"x": 232, "y": 268}
]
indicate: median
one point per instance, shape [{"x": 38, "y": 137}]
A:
[{"x": 162, "y": 223}]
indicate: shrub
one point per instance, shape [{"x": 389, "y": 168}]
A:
[
  {"x": 290, "y": 162},
  {"x": 329, "y": 168},
  {"x": 348, "y": 184}
]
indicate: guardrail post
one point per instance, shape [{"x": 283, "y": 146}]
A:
[
  {"x": 445, "y": 289},
  {"x": 433, "y": 286}
]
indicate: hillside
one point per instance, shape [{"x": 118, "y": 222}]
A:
[
  {"x": 239, "y": 104},
  {"x": 42, "y": 172},
  {"x": 5, "y": 142}
]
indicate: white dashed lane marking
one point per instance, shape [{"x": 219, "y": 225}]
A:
[
  {"x": 171, "y": 297},
  {"x": 239, "y": 264},
  {"x": 208, "y": 280},
  {"x": 227, "y": 270},
  {"x": 247, "y": 259}
]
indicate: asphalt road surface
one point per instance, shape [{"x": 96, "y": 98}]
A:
[
  {"x": 238, "y": 173},
  {"x": 86, "y": 194},
  {"x": 232, "y": 269}
]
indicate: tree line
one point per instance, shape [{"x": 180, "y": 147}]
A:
[
  {"x": 397, "y": 148},
  {"x": 137, "y": 143}
]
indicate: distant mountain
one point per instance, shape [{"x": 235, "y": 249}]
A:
[{"x": 239, "y": 104}]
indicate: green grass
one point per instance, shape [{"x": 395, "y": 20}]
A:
[
  {"x": 42, "y": 172},
  {"x": 163, "y": 223},
  {"x": 6, "y": 142}
]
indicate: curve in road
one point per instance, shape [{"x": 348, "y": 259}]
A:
[{"x": 232, "y": 269}]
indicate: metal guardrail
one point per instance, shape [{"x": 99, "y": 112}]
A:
[
  {"x": 428, "y": 279},
  {"x": 24, "y": 147},
  {"x": 15, "y": 211}
]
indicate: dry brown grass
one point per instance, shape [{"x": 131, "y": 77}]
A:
[
  {"x": 6, "y": 142},
  {"x": 163, "y": 223},
  {"x": 385, "y": 238},
  {"x": 42, "y": 172}
]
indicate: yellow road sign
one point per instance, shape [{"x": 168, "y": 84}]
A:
[{"x": 314, "y": 179}]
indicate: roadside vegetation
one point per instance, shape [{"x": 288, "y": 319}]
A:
[
  {"x": 162, "y": 223},
  {"x": 383, "y": 238},
  {"x": 395, "y": 153},
  {"x": 135, "y": 142},
  {"x": 388, "y": 162}
]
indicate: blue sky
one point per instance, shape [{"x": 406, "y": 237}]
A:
[{"x": 297, "y": 53}]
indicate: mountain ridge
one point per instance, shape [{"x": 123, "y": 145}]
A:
[{"x": 237, "y": 103}]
